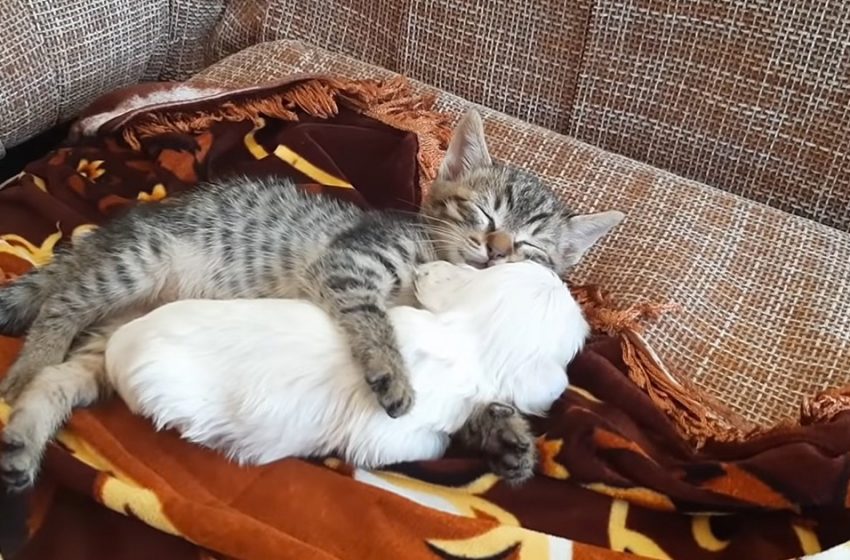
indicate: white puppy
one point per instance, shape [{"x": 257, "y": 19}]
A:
[{"x": 266, "y": 379}]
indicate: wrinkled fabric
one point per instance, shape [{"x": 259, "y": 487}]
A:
[{"x": 615, "y": 476}]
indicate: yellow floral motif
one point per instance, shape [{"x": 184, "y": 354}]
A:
[
  {"x": 39, "y": 255},
  {"x": 464, "y": 500},
  {"x": 121, "y": 496},
  {"x": 81, "y": 231},
  {"x": 91, "y": 170},
  {"x": 704, "y": 536},
  {"x": 623, "y": 539},
  {"x": 39, "y": 182},
  {"x": 548, "y": 450},
  {"x": 530, "y": 545},
  {"x": 118, "y": 492},
  {"x": 584, "y": 393},
  {"x": 333, "y": 463},
  {"x": 319, "y": 175},
  {"x": 808, "y": 539},
  {"x": 36, "y": 255},
  {"x": 251, "y": 144},
  {"x": 157, "y": 193},
  {"x": 289, "y": 156},
  {"x": 637, "y": 495},
  {"x": 467, "y": 501}
]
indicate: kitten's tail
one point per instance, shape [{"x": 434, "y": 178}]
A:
[{"x": 21, "y": 301}]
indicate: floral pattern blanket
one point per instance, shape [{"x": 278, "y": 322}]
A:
[{"x": 633, "y": 461}]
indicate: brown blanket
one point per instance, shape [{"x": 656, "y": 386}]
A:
[{"x": 616, "y": 473}]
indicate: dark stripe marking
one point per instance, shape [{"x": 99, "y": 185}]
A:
[
  {"x": 347, "y": 283},
  {"x": 370, "y": 308}
]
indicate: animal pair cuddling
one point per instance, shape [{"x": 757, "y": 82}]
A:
[
  {"x": 266, "y": 379},
  {"x": 267, "y": 322}
]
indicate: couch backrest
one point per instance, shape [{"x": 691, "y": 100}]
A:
[
  {"x": 751, "y": 96},
  {"x": 501, "y": 53},
  {"x": 57, "y": 56}
]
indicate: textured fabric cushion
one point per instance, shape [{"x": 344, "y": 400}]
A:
[
  {"x": 58, "y": 55},
  {"x": 506, "y": 55},
  {"x": 751, "y": 97},
  {"x": 183, "y": 50},
  {"x": 765, "y": 306}
]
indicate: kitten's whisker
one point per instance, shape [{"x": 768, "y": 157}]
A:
[{"x": 441, "y": 221}]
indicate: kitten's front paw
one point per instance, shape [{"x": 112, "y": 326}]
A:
[
  {"x": 392, "y": 388},
  {"x": 509, "y": 443},
  {"x": 19, "y": 461}
]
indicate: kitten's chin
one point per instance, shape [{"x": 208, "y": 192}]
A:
[
  {"x": 456, "y": 256},
  {"x": 475, "y": 262}
]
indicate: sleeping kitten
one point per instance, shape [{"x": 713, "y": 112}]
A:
[
  {"x": 501, "y": 335},
  {"x": 244, "y": 238}
]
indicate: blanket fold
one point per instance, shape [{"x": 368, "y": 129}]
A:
[{"x": 634, "y": 460}]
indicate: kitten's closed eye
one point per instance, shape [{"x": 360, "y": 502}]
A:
[
  {"x": 530, "y": 245},
  {"x": 488, "y": 218},
  {"x": 537, "y": 255}
]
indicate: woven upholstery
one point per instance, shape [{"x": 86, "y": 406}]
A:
[
  {"x": 183, "y": 51},
  {"x": 749, "y": 96},
  {"x": 58, "y": 55},
  {"x": 765, "y": 306},
  {"x": 503, "y": 54}
]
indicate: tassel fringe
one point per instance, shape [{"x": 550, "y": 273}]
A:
[
  {"x": 391, "y": 102},
  {"x": 698, "y": 416},
  {"x": 825, "y": 406}
]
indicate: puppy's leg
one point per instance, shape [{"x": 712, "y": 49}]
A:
[{"x": 500, "y": 431}]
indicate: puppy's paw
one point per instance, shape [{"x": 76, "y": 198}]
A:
[{"x": 508, "y": 442}]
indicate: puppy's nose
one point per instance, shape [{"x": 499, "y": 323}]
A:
[{"x": 499, "y": 244}]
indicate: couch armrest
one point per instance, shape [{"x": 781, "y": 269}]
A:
[{"x": 55, "y": 57}]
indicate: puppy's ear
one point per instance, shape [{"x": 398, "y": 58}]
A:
[{"x": 438, "y": 284}]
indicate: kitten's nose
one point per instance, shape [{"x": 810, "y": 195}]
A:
[{"x": 499, "y": 244}]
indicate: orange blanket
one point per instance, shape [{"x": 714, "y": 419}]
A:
[{"x": 616, "y": 475}]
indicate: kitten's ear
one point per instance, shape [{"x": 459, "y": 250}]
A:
[
  {"x": 586, "y": 229},
  {"x": 467, "y": 149}
]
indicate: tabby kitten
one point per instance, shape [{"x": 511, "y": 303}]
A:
[{"x": 251, "y": 238}]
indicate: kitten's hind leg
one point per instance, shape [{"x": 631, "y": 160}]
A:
[
  {"x": 43, "y": 408},
  {"x": 21, "y": 300},
  {"x": 500, "y": 431},
  {"x": 46, "y": 345},
  {"x": 95, "y": 287}
]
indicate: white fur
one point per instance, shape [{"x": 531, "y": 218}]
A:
[{"x": 266, "y": 379}]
